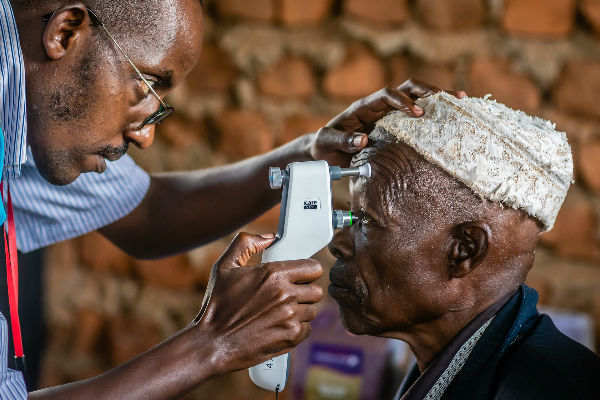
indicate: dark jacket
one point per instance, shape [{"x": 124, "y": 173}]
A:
[{"x": 522, "y": 355}]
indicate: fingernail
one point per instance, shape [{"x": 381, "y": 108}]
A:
[
  {"x": 357, "y": 141},
  {"x": 267, "y": 235},
  {"x": 418, "y": 109}
]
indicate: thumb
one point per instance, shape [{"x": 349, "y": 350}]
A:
[
  {"x": 331, "y": 139},
  {"x": 244, "y": 246}
]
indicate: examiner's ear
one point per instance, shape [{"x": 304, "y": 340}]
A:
[
  {"x": 469, "y": 247},
  {"x": 64, "y": 28}
]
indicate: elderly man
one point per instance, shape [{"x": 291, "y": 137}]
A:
[{"x": 448, "y": 228}]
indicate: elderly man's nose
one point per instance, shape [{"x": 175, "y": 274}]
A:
[
  {"x": 341, "y": 246},
  {"x": 142, "y": 138}
]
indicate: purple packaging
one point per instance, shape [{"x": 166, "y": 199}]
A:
[{"x": 333, "y": 364}]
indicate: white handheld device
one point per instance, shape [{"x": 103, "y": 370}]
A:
[{"x": 306, "y": 225}]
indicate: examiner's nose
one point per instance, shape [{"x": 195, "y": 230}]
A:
[
  {"x": 142, "y": 138},
  {"x": 341, "y": 245}
]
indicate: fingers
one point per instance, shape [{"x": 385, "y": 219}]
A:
[
  {"x": 291, "y": 336},
  {"x": 416, "y": 89},
  {"x": 308, "y": 312},
  {"x": 331, "y": 139},
  {"x": 244, "y": 246},
  {"x": 296, "y": 271},
  {"x": 305, "y": 293},
  {"x": 399, "y": 100}
]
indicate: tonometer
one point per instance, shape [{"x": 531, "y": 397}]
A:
[{"x": 306, "y": 225}]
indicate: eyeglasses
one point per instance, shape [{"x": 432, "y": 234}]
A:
[{"x": 164, "y": 110}]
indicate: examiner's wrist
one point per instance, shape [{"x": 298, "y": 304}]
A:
[
  {"x": 203, "y": 353},
  {"x": 299, "y": 149}
]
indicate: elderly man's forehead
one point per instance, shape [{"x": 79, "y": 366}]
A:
[
  {"x": 393, "y": 160},
  {"x": 393, "y": 165}
]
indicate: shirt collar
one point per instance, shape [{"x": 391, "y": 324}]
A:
[{"x": 13, "y": 111}]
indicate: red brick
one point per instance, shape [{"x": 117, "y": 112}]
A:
[
  {"x": 305, "y": 12},
  {"x": 289, "y": 78},
  {"x": 89, "y": 327},
  {"x": 452, "y": 14},
  {"x": 578, "y": 89},
  {"x": 575, "y": 231},
  {"x": 377, "y": 12},
  {"x": 552, "y": 18},
  {"x": 99, "y": 254},
  {"x": 542, "y": 285},
  {"x": 243, "y": 134},
  {"x": 179, "y": 132},
  {"x": 298, "y": 125},
  {"x": 400, "y": 70},
  {"x": 591, "y": 11},
  {"x": 215, "y": 72},
  {"x": 589, "y": 164},
  {"x": 439, "y": 75},
  {"x": 261, "y": 10},
  {"x": 507, "y": 86},
  {"x": 579, "y": 130},
  {"x": 173, "y": 272},
  {"x": 359, "y": 75}
]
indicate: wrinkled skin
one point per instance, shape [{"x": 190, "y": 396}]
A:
[{"x": 427, "y": 255}]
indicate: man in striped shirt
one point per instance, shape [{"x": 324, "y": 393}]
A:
[{"x": 88, "y": 98}]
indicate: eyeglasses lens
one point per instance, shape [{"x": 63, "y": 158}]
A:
[{"x": 158, "y": 116}]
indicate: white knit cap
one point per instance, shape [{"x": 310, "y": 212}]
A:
[{"x": 503, "y": 155}]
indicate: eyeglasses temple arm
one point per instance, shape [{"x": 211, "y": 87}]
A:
[{"x": 127, "y": 58}]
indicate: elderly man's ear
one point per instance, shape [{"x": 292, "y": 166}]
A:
[
  {"x": 469, "y": 247},
  {"x": 65, "y": 27}
]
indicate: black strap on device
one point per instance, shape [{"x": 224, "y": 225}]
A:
[{"x": 21, "y": 366}]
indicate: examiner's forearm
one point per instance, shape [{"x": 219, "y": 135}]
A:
[
  {"x": 183, "y": 210},
  {"x": 168, "y": 370}
]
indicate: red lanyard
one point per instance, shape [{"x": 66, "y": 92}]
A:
[{"x": 12, "y": 273}]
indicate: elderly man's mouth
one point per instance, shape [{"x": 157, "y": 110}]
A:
[
  {"x": 337, "y": 289},
  {"x": 343, "y": 296}
]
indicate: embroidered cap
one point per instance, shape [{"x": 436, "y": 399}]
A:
[{"x": 502, "y": 154}]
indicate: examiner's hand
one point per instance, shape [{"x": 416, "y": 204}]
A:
[
  {"x": 254, "y": 313},
  {"x": 347, "y": 132}
]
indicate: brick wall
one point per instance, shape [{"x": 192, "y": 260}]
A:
[{"x": 274, "y": 69}]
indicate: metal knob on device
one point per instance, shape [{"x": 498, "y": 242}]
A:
[
  {"x": 276, "y": 177},
  {"x": 339, "y": 173},
  {"x": 342, "y": 219}
]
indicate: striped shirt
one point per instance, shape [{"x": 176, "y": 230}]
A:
[
  {"x": 12, "y": 93},
  {"x": 12, "y": 385},
  {"x": 44, "y": 213}
]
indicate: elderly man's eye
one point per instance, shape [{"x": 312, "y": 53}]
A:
[{"x": 364, "y": 217}]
